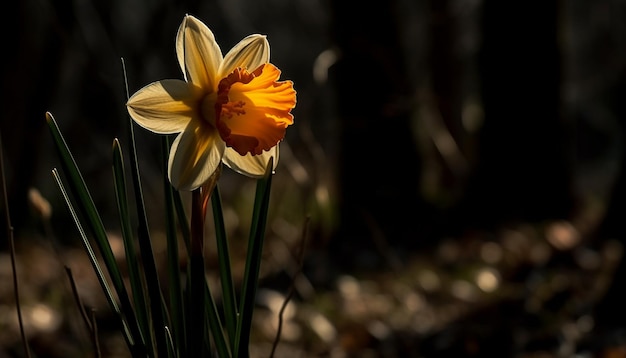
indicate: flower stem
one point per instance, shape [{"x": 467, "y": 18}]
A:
[{"x": 197, "y": 331}]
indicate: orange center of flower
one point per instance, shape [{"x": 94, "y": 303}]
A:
[{"x": 252, "y": 109}]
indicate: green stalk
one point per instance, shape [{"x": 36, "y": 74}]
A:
[
  {"x": 182, "y": 220},
  {"x": 135, "y": 349},
  {"x": 136, "y": 280},
  {"x": 253, "y": 262},
  {"x": 145, "y": 245},
  {"x": 226, "y": 277},
  {"x": 173, "y": 268},
  {"x": 196, "y": 331},
  {"x": 89, "y": 211},
  {"x": 202, "y": 306}
]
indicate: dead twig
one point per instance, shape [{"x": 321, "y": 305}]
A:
[
  {"x": 89, "y": 320},
  {"x": 292, "y": 287},
  {"x": 12, "y": 250}
]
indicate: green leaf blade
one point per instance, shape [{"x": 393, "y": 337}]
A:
[
  {"x": 173, "y": 266},
  {"x": 135, "y": 272},
  {"x": 253, "y": 262},
  {"x": 229, "y": 300},
  {"x": 87, "y": 208}
]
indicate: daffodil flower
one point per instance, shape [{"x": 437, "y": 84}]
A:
[{"x": 229, "y": 109}]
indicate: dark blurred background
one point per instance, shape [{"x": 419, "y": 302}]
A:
[{"x": 426, "y": 132}]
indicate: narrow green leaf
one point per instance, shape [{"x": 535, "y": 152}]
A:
[
  {"x": 173, "y": 266},
  {"x": 89, "y": 211},
  {"x": 137, "y": 283},
  {"x": 145, "y": 245},
  {"x": 135, "y": 349},
  {"x": 182, "y": 220},
  {"x": 215, "y": 325},
  {"x": 170, "y": 344},
  {"x": 253, "y": 262},
  {"x": 226, "y": 277}
]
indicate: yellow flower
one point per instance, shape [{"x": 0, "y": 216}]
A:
[{"x": 229, "y": 109}]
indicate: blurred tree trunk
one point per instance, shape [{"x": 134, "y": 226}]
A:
[
  {"x": 600, "y": 72},
  {"x": 595, "y": 93},
  {"x": 445, "y": 128},
  {"x": 30, "y": 71},
  {"x": 522, "y": 171},
  {"x": 610, "y": 310},
  {"x": 378, "y": 162}
]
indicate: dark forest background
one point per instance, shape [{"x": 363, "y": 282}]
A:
[{"x": 419, "y": 123}]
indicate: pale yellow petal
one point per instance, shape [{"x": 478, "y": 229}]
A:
[
  {"x": 250, "y": 165},
  {"x": 249, "y": 53},
  {"x": 194, "y": 156},
  {"x": 198, "y": 53},
  {"x": 166, "y": 106}
]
